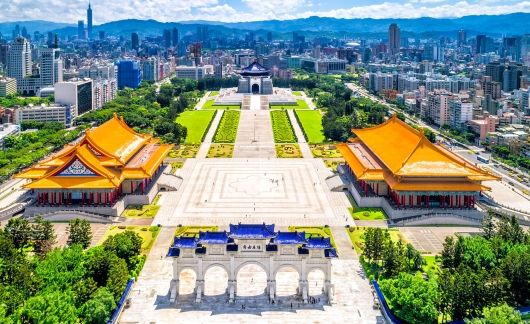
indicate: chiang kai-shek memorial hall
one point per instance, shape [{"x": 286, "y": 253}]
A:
[{"x": 106, "y": 164}]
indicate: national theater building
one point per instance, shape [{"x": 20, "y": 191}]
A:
[
  {"x": 108, "y": 163},
  {"x": 398, "y": 163}
]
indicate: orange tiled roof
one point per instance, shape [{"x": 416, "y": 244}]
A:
[
  {"x": 407, "y": 152},
  {"x": 98, "y": 161}
]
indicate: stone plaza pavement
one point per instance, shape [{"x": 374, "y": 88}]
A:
[{"x": 252, "y": 187}]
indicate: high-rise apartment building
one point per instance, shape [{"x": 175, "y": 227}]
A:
[
  {"x": 394, "y": 39},
  {"x": 150, "y": 69}
]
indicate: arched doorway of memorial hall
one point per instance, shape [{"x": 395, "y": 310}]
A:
[
  {"x": 255, "y": 88},
  {"x": 315, "y": 282},
  {"x": 251, "y": 280},
  {"x": 188, "y": 280},
  {"x": 215, "y": 281},
  {"x": 287, "y": 281}
]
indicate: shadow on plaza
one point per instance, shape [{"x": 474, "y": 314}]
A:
[{"x": 253, "y": 305}]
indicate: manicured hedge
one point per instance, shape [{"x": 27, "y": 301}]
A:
[
  {"x": 282, "y": 128},
  {"x": 227, "y": 130}
]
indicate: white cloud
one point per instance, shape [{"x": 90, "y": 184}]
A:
[{"x": 219, "y": 10}]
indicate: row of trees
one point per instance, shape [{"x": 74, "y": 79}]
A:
[
  {"x": 64, "y": 285},
  {"x": 477, "y": 276}
]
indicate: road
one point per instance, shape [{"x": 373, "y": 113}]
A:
[{"x": 509, "y": 175}]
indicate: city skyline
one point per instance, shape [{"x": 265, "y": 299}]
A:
[{"x": 251, "y": 10}]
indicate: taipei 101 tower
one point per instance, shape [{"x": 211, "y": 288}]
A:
[{"x": 89, "y": 21}]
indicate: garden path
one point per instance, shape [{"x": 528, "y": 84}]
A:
[
  {"x": 205, "y": 146},
  {"x": 304, "y": 147}
]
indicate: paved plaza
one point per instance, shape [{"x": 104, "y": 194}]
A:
[
  {"x": 429, "y": 240},
  {"x": 254, "y": 137},
  {"x": 285, "y": 192}
]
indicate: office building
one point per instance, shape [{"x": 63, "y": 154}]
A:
[
  {"x": 64, "y": 114},
  {"x": 135, "y": 41},
  {"x": 190, "y": 72},
  {"x": 462, "y": 38},
  {"x": 81, "y": 29},
  {"x": 175, "y": 37},
  {"x": 394, "y": 39},
  {"x": 19, "y": 61},
  {"x": 511, "y": 78},
  {"x": 167, "y": 38},
  {"x": 8, "y": 86},
  {"x": 129, "y": 74},
  {"x": 495, "y": 70},
  {"x": 323, "y": 66},
  {"x": 76, "y": 93}
]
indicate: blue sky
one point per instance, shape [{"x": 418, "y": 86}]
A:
[{"x": 249, "y": 10}]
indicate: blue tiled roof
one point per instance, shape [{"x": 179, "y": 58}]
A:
[
  {"x": 252, "y": 231},
  {"x": 318, "y": 243},
  {"x": 213, "y": 237},
  {"x": 185, "y": 242},
  {"x": 290, "y": 238},
  {"x": 173, "y": 252},
  {"x": 331, "y": 253}
]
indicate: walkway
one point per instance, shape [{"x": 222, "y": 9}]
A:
[
  {"x": 205, "y": 146},
  {"x": 255, "y": 102},
  {"x": 309, "y": 101},
  {"x": 304, "y": 147},
  {"x": 254, "y": 134},
  {"x": 202, "y": 101}
]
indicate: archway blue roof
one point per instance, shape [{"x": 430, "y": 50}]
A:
[
  {"x": 290, "y": 238},
  {"x": 252, "y": 231},
  {"x": 213, "y": 237}
]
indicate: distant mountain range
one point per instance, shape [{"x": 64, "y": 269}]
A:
[{"x": 511, "y": 24}]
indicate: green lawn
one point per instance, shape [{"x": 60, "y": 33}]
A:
[
  {"x": 227, "y": 130},
  {"x": 197, "y": 123},
  {"x": 314, "y": 231},
  {"x": 214, "y": 93},
  {"x": 297, "y": 93},
  {"x": 147, "y": 233},
  {"x": 282, "y": 128},
  {"x": 300, "y": 105},
  {"x": 142, "y": 211},
  {"x": 194, "y": 230},
  {"x": 367, "y": 213},
  {"x": 357, "y": 240},
  {"x": 210, "y": 104},
  {"x": 311, "y": 123}
]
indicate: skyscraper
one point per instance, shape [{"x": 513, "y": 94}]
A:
[
  {"x": 462, "y": 37},
  {"x": 175, "y": 37},
  {"x": 481, "y": 44},
  {"x": 394, "y": 39},
  {"x": 167, "y": 38},
  {"x": 89, "y": 20},
  {"x": 135, "y": 41},
  {"x": 81, "y": 29},
  {"x": 129, "y": 74},
  {"x": 19, "y": 59}
]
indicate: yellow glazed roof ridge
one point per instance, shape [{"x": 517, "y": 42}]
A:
[
  {"x": 349, "y": 156},
  {"x": 86, "y": 156}
]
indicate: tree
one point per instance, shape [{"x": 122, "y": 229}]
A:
[
  {"x": 107, "y": 270},
  {"x": 502, "y": 314},
  {"x": 509, "y": 230},
  {"x": 126, "y": 245},
  {"x": 43, "y": 236},
  {"x": 412, "y": 298},
  {"x": 19, "y": 230},
  {"x": 98, "y": 309},
  {"x": 79, "y": 232},
  {"x": 488, "y": 226},
  {"x": 516, "y": 269},
  {"x": 53, "y": 307}
]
